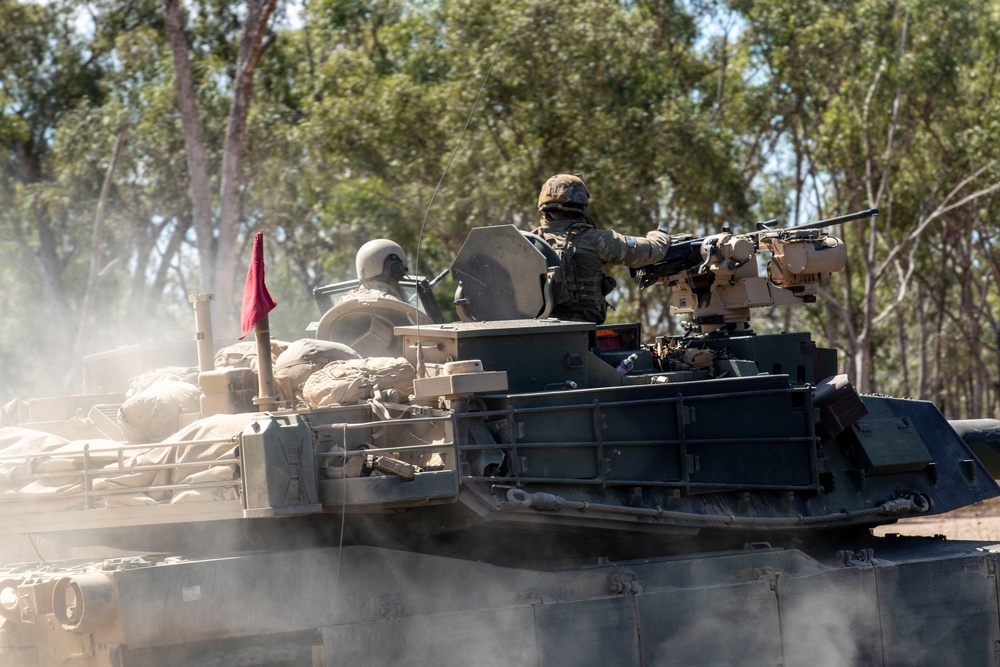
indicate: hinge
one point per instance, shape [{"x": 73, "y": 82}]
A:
[
  {"x": 860, "y": 558},
  {"x": 625, "y": 583},
  {"x": 770, "y": 575}
]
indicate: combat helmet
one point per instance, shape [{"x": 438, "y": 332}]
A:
[
  {"x": 370, "y": 262},
  {"x": 564, "y": 192}
]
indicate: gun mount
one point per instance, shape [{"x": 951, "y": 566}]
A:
[{"x": 717, "y": 278}]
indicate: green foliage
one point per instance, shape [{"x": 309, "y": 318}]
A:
[
  {"x": 688, "y": 114},
  {"x": 378, "y": 95},
  {"x": 877, "y": 107}
]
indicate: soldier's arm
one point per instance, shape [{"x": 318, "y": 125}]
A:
[{"x": 632, "y": 251}]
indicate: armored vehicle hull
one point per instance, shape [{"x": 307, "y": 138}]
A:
[
  {"x": 536, "y": 492},
  {"x": 888, "y": 601}
]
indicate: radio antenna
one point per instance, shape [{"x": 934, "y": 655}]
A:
[{"x": 421, "y": 371}]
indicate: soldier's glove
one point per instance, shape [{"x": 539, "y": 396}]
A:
[
  {"x": 608, "y": 285},
  {"x": 659, "y": 238}
]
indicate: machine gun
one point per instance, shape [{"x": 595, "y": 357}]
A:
[{"x": 716, "y": 277}]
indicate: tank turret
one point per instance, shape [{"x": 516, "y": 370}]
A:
[{"x": 485, "y": 489}]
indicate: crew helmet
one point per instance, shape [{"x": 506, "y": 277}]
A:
[
  {"x": 564, "y": 192},
  {"x": 370, "y": 260}
]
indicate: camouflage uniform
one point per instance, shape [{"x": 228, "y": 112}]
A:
[{"x": 584, "y": 250}]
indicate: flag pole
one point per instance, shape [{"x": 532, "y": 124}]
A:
[
  {"x": 266, "y": 399},
  {"x": 257, "y": 303}
]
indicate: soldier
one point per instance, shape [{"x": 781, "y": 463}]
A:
[
  {"x": 380, "y": 267},
  {"x": 585, "y": 251}
]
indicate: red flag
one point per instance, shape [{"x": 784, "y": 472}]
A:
[{"x": 256, "y": 301}]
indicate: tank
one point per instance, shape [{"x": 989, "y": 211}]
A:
[{"x": 505, "y": 489}]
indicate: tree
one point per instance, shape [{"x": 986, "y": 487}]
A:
[
  {"x": 217, "y": 237},
  {"x": 875, "y": 111},
  {"x": 690, "y": 115},
  {"x": 46, "y": 73},
  {"x": 376, "y": 96}
]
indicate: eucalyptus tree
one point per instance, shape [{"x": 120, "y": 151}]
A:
[
  {"x": 47, "y": 72},
  {"x": 218, "y": 235},
  {"x": 376, "y": 96},
  {"x": 875, "y": 107},
  {"x": 89, "y": 172}
]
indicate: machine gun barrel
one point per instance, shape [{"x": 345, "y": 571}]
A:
[
  {"x": 762, "y": 227},
  {"x": 686, "y": 252}
]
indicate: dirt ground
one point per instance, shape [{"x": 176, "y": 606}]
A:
[{"x": 976, "y": 522}]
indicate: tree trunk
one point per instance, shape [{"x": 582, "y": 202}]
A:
[
  {"x": 194, "y": 143},
  {"x": 47, "y": 253},
  {"x": 903, "y": 341},
  {"x": 51, "y": 268},
  {"x": 96, "y": 237},
  {"x": 252, "y": 45},
  {"x": 924, "y": 338}
]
